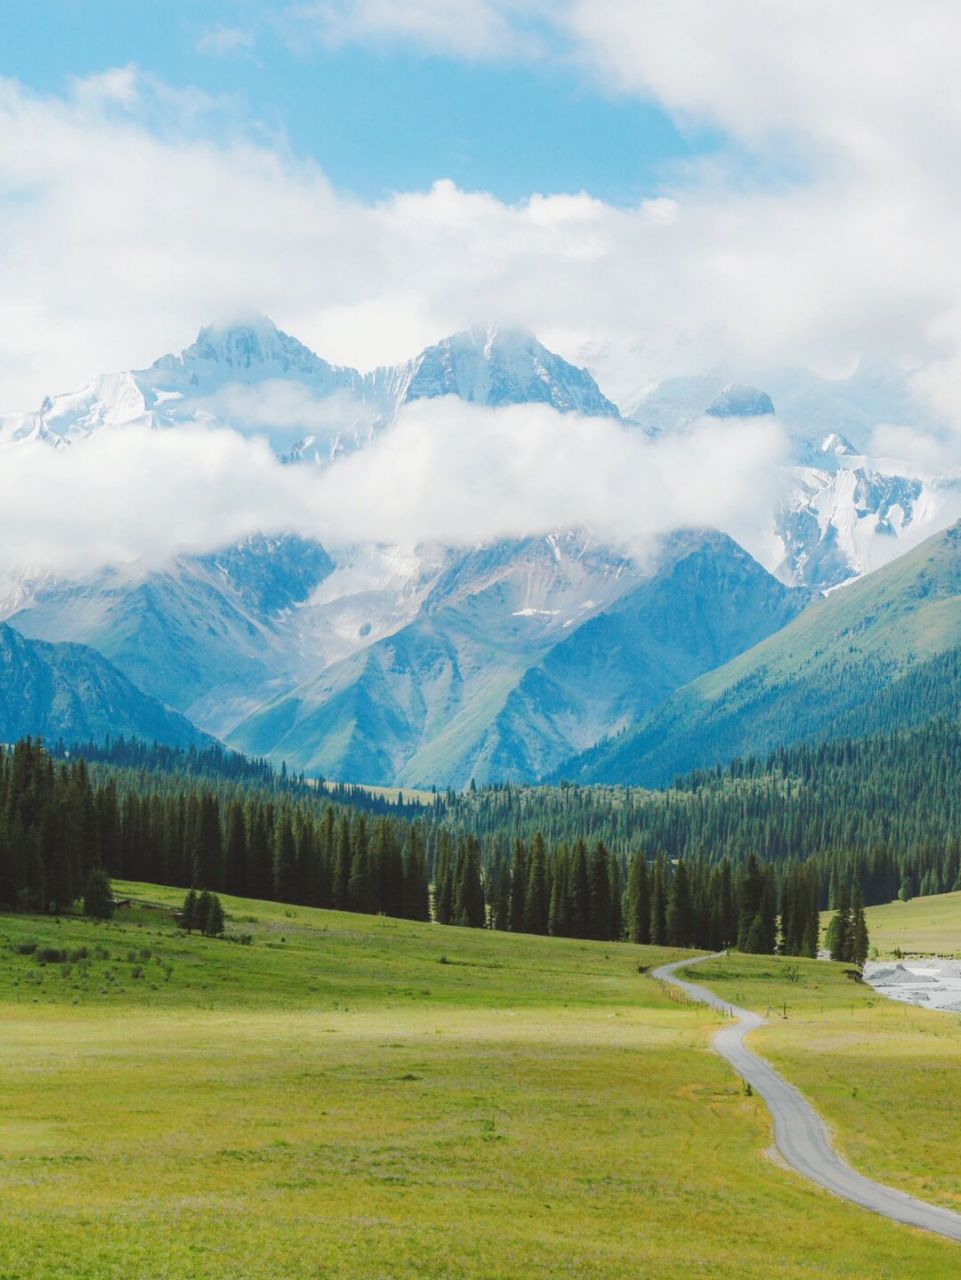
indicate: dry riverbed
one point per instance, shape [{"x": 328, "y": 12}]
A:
[{"x": 931, "y": 982}]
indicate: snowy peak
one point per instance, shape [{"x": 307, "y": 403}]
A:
[
  {"x": 498, "y": 366},
  {"x": 740, "y": 401},
  {"x": 838, "y": 445},
  {"x": 238, "y": 351}
]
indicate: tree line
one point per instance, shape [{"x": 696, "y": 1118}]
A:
[{"x": 59, "y": 820}]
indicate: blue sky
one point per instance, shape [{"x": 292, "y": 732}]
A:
[{"x": 376, "y": 119}]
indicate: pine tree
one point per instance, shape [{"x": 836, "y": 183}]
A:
[
  {"x": 838, "y": 939},
  {"x": 750, "y": 892},
  {"x": 469, "y": 905},
  {"x": 659, "y": 902},
  {"x": 679, "y": 914},
  {"x": 599, "y": 918},
  {"x": 358, "y": 886},
  {"x": 98, "y": 895},
  {"x": 444, "y": 881},
  {"x": 859, "y": 942},
  {"x": 559, "y": 912},
  {"x": 518, "y": 917},
  {"x": 416, "y": 896},
  {"x": 580, "y": 892},
  {"x": 536, "y": 900},
  {"x": 638, "y": 901},
  {"x": 340, "y": 892},
  {"x": 235, "y": 852},
  {"x": 208, "y": 849},
  {"x": 214, "y": 923},
  {"x": 202, "y": 910},
  {"x": 188, "y": 913},
  {"x": 617, "y": 900},
  {"x": 285, "y": 861}
]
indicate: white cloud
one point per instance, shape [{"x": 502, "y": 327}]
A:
[
  {"x": 226, "y": 42},
  {"x": 447, "y": 471},
  {"x": 279, "y": 407},
  {"x": 469, "y": 28}
]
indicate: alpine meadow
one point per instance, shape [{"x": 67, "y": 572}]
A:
[{"x": 480, "y": 640}]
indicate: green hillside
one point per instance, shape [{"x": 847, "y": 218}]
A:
[{"x": 851, "y": 663}]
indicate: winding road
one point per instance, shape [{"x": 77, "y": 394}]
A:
[{"x": 799, "y": 1132}]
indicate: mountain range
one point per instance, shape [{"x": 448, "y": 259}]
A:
[
  {"x": 436, "y": 664},
  {"x": 881, "y": 654}
]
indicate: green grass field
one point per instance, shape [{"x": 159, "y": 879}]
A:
[
  {"x": 928, "y": 926},
  {"x": 359, "y": 1097}
]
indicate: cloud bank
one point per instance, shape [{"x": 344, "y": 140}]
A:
[{"x": 446, "y": 471}]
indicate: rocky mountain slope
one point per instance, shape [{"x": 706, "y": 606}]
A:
[
  {"x": 507, "y": 668},
  {"x": 875, "y": 656},
  {"x": 69, "y": 691}
]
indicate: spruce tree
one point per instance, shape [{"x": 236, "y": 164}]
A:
[
  {"x": 188, "y": 913},
  {"x": 838, "y": 938},
  {"x": 518, "y": 917},
  {"x": 214, "y": 923},
  {"x": 202, "y": 910},
  {"x": 98, "y": 895},
  {"x": 638, "y": 901},
  {"x": 469, "y": 904},
  {"x": 340, "y": 892},
  {"x": 679, "y": 914},
  {"x": 599, "y": 917},
  {"x": 235, "y": 853},
  {"x": 659, "y": 902},
  {"x": 358, "y": 886},
  {"x": 580, "y": 892},
  {"x": 536, "y": 901},
  {"x": 285, "y": 861},
  {"x": 859, "y": 942}
]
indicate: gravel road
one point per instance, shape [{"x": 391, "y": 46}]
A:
[{"x": 799, "y": 1132}]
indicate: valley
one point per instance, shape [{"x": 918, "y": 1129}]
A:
[{"x": 351, "y": 1092}]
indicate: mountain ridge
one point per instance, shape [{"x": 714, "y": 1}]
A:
[
  {"x": 828, "y": 666},
  {"x": 70, "y": 691}
]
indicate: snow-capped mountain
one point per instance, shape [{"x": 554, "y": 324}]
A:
[
  {"x": 501, "y": 366},
  {"x": 258, "y": 379},
  {"x": 431, "y": 663},
  {"x": 842, "y": 512}
]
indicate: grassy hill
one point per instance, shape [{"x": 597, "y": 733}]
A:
[
  {"x": 821, "y": 676},
  {"x": 929, "y": 926},
  {"x": 350, "y": 1096}
]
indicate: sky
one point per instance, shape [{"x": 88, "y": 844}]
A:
[
  {"x": 377, "y": 116},
  {"x": 657, "y": 188}
]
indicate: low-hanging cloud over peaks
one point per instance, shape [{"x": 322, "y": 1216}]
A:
[{"x": 445, "y": 472}]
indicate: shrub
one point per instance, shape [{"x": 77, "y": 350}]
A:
[{"x": 50, "y": 955}]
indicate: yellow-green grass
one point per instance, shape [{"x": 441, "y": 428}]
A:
[
  {"x": 923, "y": 926},
  {"x": 882, "y": 1073},
  {"x": 412, "y": 795},
  {"x": 334, "y": 1101}
]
